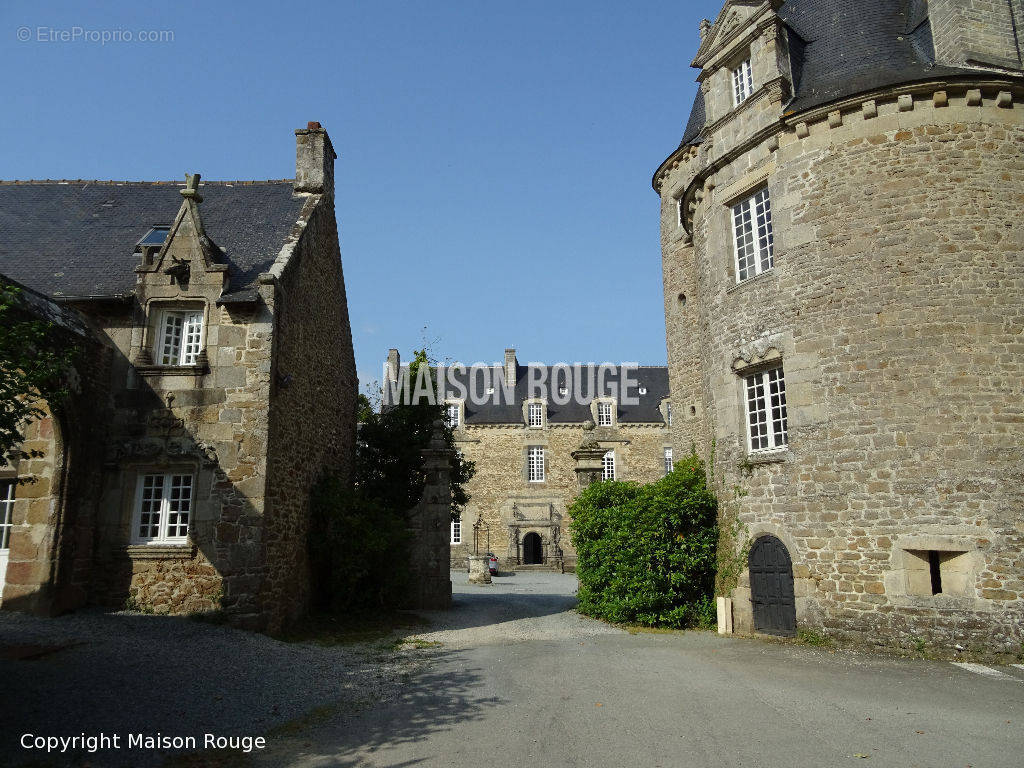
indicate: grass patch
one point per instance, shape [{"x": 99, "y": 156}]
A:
[
  {"x": 640, "y": 629},
  {"x": 328, "y": 629},
  {"x": 813, "y": 637}
]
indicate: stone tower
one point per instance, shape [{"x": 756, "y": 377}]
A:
[{"x": 843, "y": 258}]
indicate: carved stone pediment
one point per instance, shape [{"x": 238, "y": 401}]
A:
[
  {"x": 161, "y": 450},
  {"x": 735, "y": 16}
]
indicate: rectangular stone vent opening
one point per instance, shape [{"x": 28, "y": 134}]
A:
[{"x": 938, "y": 572}]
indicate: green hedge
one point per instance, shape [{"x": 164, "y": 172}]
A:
[{"x": 646, "y": 553}]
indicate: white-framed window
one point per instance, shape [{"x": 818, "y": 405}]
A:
[
  {"x": 181, "y": 337},
  {"x": 163, "y": 508},
  {"x": 742, "y": 83},
  {"x": 608, "y": 465},
  {"x": 457, "y": 529},
  {"x": 767, "y": 427},
  {"x": 6, "y": 514},
  {"x": 680, "y": 213},
  {"x": 668, "y": 460},
  {"x": 668, "y": 413},
  {"x": 752, "y": 230},
  {"x": 535, "y": 464},
  {"x": 535, "y": 414},
  {"x": 604, "y": 413},
  {"x": 451, "y": 412}
]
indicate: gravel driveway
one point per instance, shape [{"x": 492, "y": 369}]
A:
[{"x": 128, "y": 673}]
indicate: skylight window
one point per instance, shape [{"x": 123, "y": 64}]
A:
[{"x": 155, "y": 236}]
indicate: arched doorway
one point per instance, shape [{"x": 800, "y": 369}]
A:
[
  {"x": 771, "y": 587},
  {"x": 532, "y": 554}
]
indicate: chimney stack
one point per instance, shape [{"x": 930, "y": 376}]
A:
[
  {"x": 314, "y": 160},
  {"x": 394, "y": 361},
  {"x": 510, "y": 367}
]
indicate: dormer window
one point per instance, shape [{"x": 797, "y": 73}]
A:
[
  {"x": 742, "y": 83},
  {"x": 605, "y": 415},
  {"x": 452, "y": 415},
  {"x": 181, "y": 337},
  {"x": 535, "y": 414}
]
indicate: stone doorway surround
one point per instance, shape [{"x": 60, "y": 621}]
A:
[{"x": 539, "y": 517}]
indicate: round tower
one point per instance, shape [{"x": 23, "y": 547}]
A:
[{"x": 843, "y": 252}]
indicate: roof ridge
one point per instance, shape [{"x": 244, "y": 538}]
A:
[{"x": 142, "y": 182}]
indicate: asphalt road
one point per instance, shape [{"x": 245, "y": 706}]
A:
[
  {"x": 520, "y": 679},
  {"x": 512, "y": 676}
]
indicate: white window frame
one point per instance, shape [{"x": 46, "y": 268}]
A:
[
  {"x": 457, "y": 529},
  {"x": 149, "y": 500},
  {"x": 753, "y": 236},
  {"x": 742, "y": 82},
  {"x": 536, "y": 472},
  {"x": 535, "y": 415},
  {"x": 453, "y": 415},
  {"x": 668, "y": 413},
  {"x": 6, "y": 515},
  {"x": 180, "y": 337},
  {"x": 669, "y": 463},
  {"x": 764, "y": 394},
  {"x": 605, "y": 413},
  {"x": 608, "y": 465}
]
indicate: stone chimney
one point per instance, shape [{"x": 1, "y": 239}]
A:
[
  {"x": 510, "y": 367},
  {"x": 980, "y": 34},
  {"x": 314, "y": 160},
  {"x": 394, "y": 361}
]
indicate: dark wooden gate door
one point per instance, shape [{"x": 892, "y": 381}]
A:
[
  {"x": 531, "y": 549},
  {"x": 771, "y": 587}
]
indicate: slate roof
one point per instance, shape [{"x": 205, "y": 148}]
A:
[
  {"x": 652, "y": 378},
  {"x": 77, "y": 238},
  {"x": 843, "y": 47}
]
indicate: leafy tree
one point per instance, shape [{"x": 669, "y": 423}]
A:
[
  {"x": 364, "y": 408},
  {"x": 35, "y": 360},
  {"x": 389, "y": 466},
  {"x": 646, "y": 553},
  {"x": 359, "y": 539}
]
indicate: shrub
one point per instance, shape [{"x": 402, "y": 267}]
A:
[
  {"x": 646, "y": 553},
  {"x": 357, "y": 550}
]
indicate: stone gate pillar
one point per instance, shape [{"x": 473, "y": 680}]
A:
[{"x": 430, "y": 521}]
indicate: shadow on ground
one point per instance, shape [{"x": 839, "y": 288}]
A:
[
  {"x": 123, "y": 673},
  {"x": 443, "y": 694}
]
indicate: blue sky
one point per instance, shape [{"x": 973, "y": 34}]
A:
[{"x": 493, "y": 183}]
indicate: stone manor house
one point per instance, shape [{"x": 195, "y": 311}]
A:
[
  {"x": 843, "y": 253},
  {"x": 527, "y": 455},
  {"x": 215, "y": 383}
]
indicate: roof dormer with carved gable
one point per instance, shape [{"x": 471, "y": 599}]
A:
[{"x": 745, "y": 74}]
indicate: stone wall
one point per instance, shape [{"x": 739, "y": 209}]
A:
[
  {"x": 57, "y": 484},
  {"x": 977, "y": 32},
  {"x": 500, "y": 489},
  {"x": 894, "y": 308},
  {"x": 312, "y": 406},
  {"x": 213, "y": 424}
]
